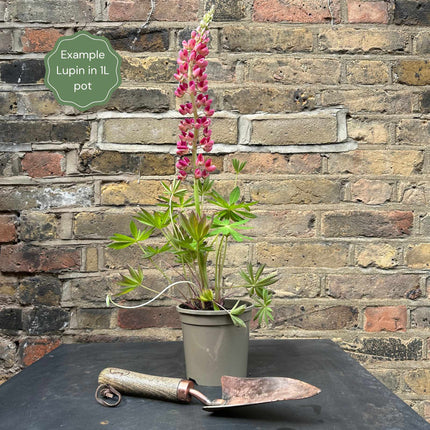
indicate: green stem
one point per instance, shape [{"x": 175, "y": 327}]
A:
[
  {"x": 224, "y": 255},
  {"x": 219, "y": 264},
  {"x": 217, "y": 274},
  {"x": 109, "y": 298},
  {"x": 196, "y": 196},
  {"x": 202, "y": 263},
  {"x": 153, "y": 291}
]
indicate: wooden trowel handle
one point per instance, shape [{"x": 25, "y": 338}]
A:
[{"x": 139, "y": 384}]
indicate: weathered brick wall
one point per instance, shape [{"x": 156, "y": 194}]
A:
[{"x": 343, "y": 213}]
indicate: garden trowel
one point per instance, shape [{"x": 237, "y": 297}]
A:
[{"x": 235, "y": 391}]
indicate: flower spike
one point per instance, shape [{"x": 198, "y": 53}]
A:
[{"x": 193, "y": 85}]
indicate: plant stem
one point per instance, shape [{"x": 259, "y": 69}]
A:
[
  {"x": 202, "y": 262},
  {"x": 217, "y": 280},
  {"x": 149, "y": 301},
  {"x": 196, "y": 196},
  {"x": 219, "y": 263}
]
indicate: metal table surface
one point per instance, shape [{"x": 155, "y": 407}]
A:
[{"x": 57, "y": 392}]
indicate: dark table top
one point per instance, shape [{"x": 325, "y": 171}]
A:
[{"x": 57, "y": 392}]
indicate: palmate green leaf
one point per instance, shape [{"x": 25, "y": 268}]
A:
[
  {"x": 204, "y": 187},
  {"x": 173, "y": 190},
  {"x": 189, "y": 252},
  {"x": 263, "y": 283},
  {"x": 190, "y": 245},
  {"x": 152, "y": 251},
  {"x": 181, "y": 240},
  {"x": 235, "y": 214},
  {"x": 133, "y": 229},
  {"x": 253, "y": 281},
  {"x": 174, "y": 196},
  {"x": 130, "y": 282},
  {"x": 265, "y": 313},
  {"x": 157, "y": 220},
  {"x": 125, "y": 291},
  {"x": 234, "y": 312},
  {"x": 120, "y": 241},
  {"x": 238, "y": 322},
  {"x": 186, "y": 249},
  {"x": 238, "y": 310},
  {"x": 229, "y": 228},
  {"x": 181, "y": 203},
  {"x": 183, "y": 244},
  {"x": 232, "y": 209},
  {"x": 237, "y": 165},
  {"x": 140, "y": 235},
  {"x": 234, "y": 195}
]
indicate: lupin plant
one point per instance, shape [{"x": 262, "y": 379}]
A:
[{"x": 197, "y": 224}]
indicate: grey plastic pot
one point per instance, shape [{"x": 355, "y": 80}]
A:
[{"x": 213, "y": 346}]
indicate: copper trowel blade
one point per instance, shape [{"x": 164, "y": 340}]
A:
[{"x": 252, "y": 391}]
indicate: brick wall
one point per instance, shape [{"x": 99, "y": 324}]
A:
[{"x": 329, "y": 103}]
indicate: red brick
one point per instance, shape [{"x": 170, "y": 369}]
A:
[
  {"x": 39, "y": 39},
  {"x": 283, "y": 223},
  {"x": 277, "y": 163},
  {"x": 376, "y": 162},
  {"x": 123, "y": 10},
  {"x": 69, "y": 11},
  {"x": 296, "y": 11},
  {"x": 29, "y": 131},
  {"x": 41, "y": 164},
  {"x": 133, "y": 319},
  {"x": 31, "y": 259},
  {"x": 371, "y": 286},
  {"x": 368, "y": 12},
  {"x": 316, "y": 317},
  {"x": 33, "y": 350},
  {"x": 367, "y": 223},
  {"x": 371, "y": 192},
  {"x": 385, "y": 318},
  {"x": 347, "y": 39},
  {"x": 7, "y": 228},
  {"x": 165, "y": 10},
  {"x": 302, "y": 254}
]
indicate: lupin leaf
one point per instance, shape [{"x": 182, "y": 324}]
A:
[{"x": 237, "y": 165}]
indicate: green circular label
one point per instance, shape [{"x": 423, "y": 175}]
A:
[{"x": 82, "y": 70}]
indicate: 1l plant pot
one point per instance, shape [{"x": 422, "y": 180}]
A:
[{"x": 213, "y": 346}]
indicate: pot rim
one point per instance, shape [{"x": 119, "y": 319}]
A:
[{"x": 249, "y": 307}]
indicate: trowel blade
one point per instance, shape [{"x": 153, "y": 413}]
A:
[{"x": 251, "y": 391}]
